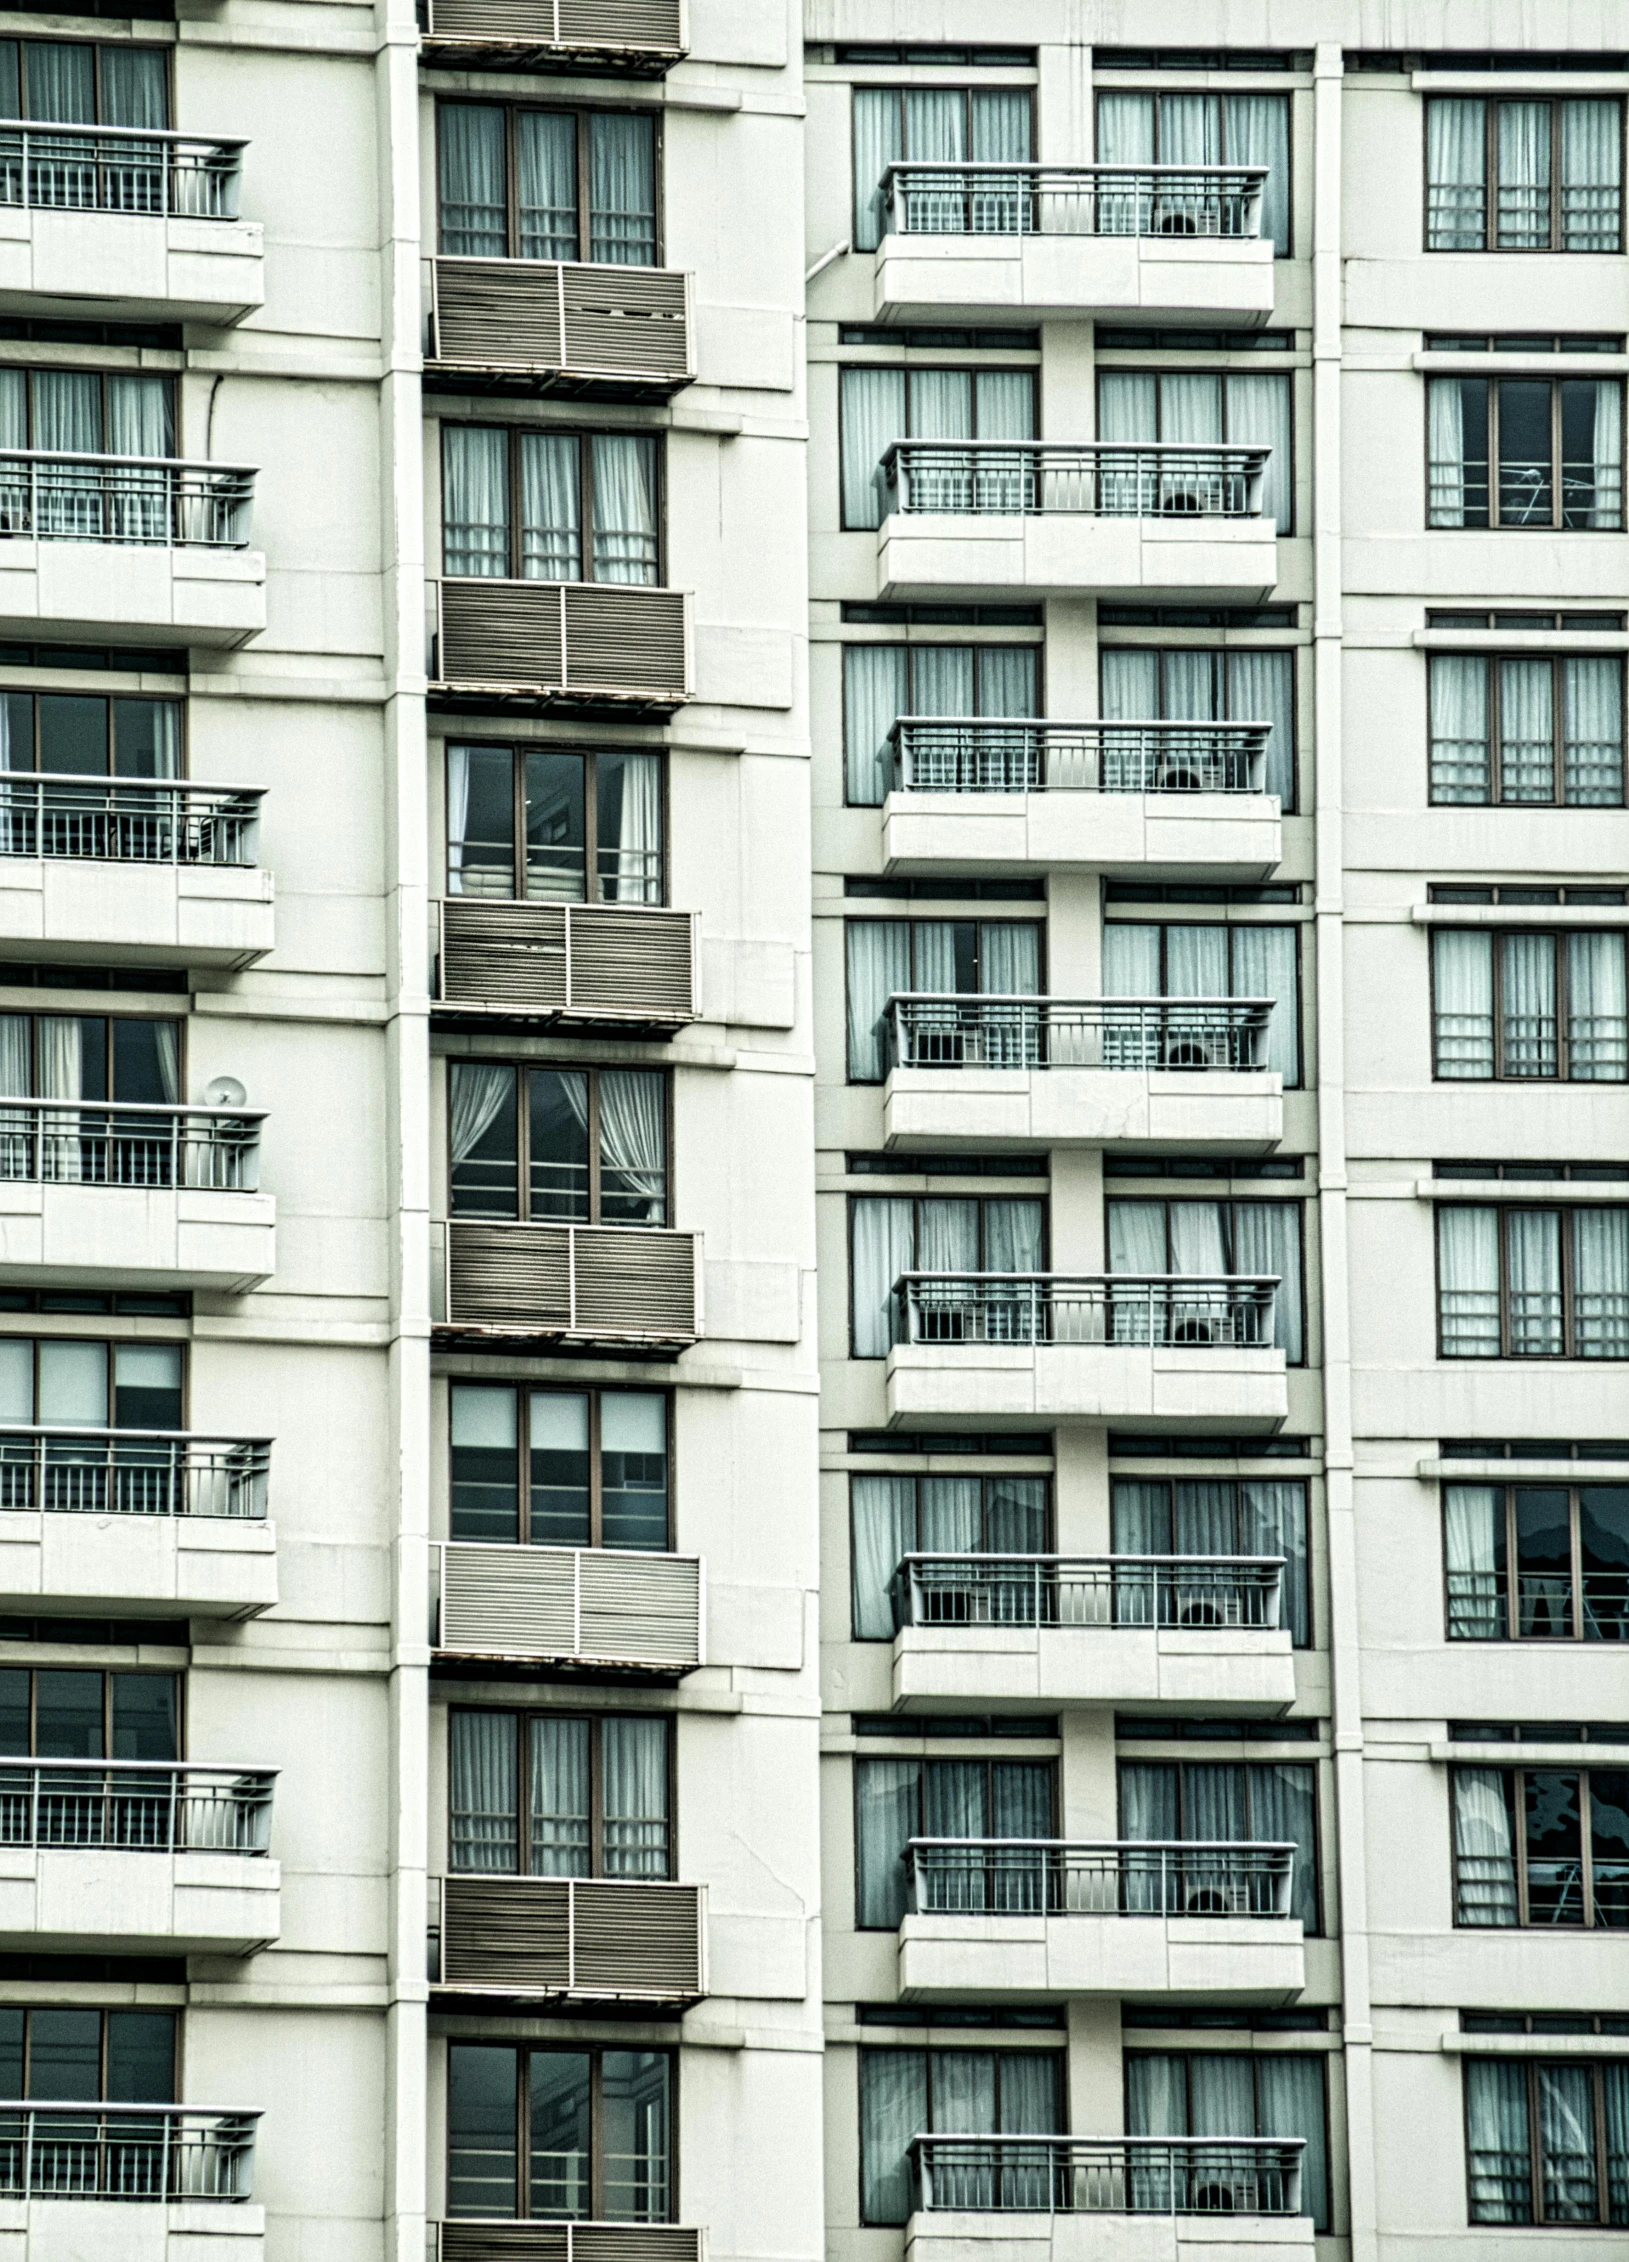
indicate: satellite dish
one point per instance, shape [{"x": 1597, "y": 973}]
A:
[{"x": 224, "y": 1091}]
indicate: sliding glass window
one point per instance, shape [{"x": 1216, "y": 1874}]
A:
[
  {"x": 572, "y": 1146},
  {"x": 60, "y": 1712},
  {"x": 876, "y": 407},
  {"x": 84, "y": 1056},
  {"x": 519, "y": 183},
  {"x": 890, "y": 957},
  {"x": 81, "y": 2056},
  {"x": 896, "y": 1800},
  {"x": 1264, "y": 1805},
  {"x": 1143, "y": 684},
  {"x": 548, "y": 1794},
  {"x": 86, "y": 412},
  {"x": 67, "y": 82},
  {"x": 1524, "y": 452},
  {"x": 1530, "y": 730},
  {"x": 1532, "y": 1284},
  {"x": 1213, "y": 1516},
  {"x": 911, "y": 2093},
  {"x": 1541, "y": 1846},
  {"x": 1175, "y": 959},
  {"x": 1200, "y": 408},
  {"x": 890, "y": 1234},
  {"x": 1523, "y": 175},
  {"x": 76, "y": 734},
  {"x": 893, "y": 1517},
  {"x": 1532, "y": 1562},
  {"x": 559, "y": 1468},
  {"x": 1215, "y": 1238},
  {"x": 554, "y": 825},
  {"x": 882, "y": 682},
  {"x": 560, "y": 2135},
  {"x": 56, "y": 1382},
  {"x": 1514, "y": 1007},
  {"x": 1547, "y": 2143},
  {"x": 946, "y": 125},
  {"x": 1205, "y": 129},
  {"x": 1234, "y": 2093},
  {"x": 550, "y": 506}
]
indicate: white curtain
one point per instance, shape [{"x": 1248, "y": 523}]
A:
[
  {"x": 1125, "y": 129},
  {"x": 1005, "y": 403},
  {"x": 1456, "y": 194},
  {"x": 551, "y": 507},
  {"x": 1190, "y": 408},
  {"x": 1261, "y": 689},
  {"x": 1291, "y": 2102},
  {"x": 1196, "y": 961},
  {"x": 1265, "y": 965},
  {"x": 561, "y": 1798},
  {"x": 1600, "y": 1246},
  {"x": 879, "y": 967},
  {"x": 1221, "y": 2094},
  {"x": 1592, "y": 731},
  {"x": 872, "y": 417},
  {"x": 1533, "y": 1267},
  {"x": 1010, "y": 958},
  {"x": 1283, "y": 1807},
  {"x": 630, "y": 827},
  {"x": 68, "y": 411},
  {"x": 1482, "y": 1843},
  {"x": 1131, "y": 959},
  {"x": 1148, "y": 1801},
  {"x": 941, "y": 404},
  {"x": 1198, "y": 1238},
  {"x": 1522, "y": 146},
  {"x": 1006, "y": 680},
  {"x": 478, "y": 1095},
  {"x": 1461, "y": 751},
  {"x": 1566, "y": 2116},
  {"x": 941, "y": 680},
  {"x": 61, "y": 82},
  {"x": 883, "y": 1522},
  {"x": 1257, "y": 132},
  {"x": 621, "y": 189},
  {"x": 878, "y": 143},
  {"x": 484, "y": 1791},
  {"x": 1445, "y": 452},
  {"x": 1591, "y": 176},
  {"x": 625, "y": 523},
  {"x": 887, "y": 1804},
  {"x": 1128, "y": 406},
  {"x": 1473, "y": 1529},
  {"x": 1258, "y": 411},
  {"x": 1462, "y": 1004},
  {"x": 475, "y": 502},
  {"x": 1606, "y": 509},
  {"x": 1597, "y": 1009},
  {"x": 61, "y": 1038},
  {"x": 875, "y": 695},
  {"x": 633, "y": 1759},
  {"x": 546, "y": 184},
  {"x": 1141, "y": 1514},
  {"x": 1267, "y": 1239},
  {"x": 474, "y": 200},
  {"x": 1468, "y": 1278},
  {"x": 947, "y": 1236},
  {"x": 633, "y": 1140},
  {"x": 1001, "y": 122},
  {"x": 1013, "y": 1236},
  {"x": 1137, "y": 1238},
  {"x": 1130, "y": 685},
  {"x": 458, "y": 758},
  {"x": 167, "y": 1059},
  {"x": 884, "y": 1246},
  {"x": 1498, "y": 2141},
  {"x": 893, "y": 2110},
  {"x": 139, "y": 423},
  {"x": 1528, "y": 1004},
  {"x": 1273, "y": 1521},
  {"x": 1190, "y": 129}
]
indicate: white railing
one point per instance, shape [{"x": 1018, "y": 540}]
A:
[
  {"x": 79, "y": 168},
  {"x": 154, "y": 502},
  {"x": 128, "y": 820},
  {"x": 1111, "y": 2175},
  {"x": 151, "y": 1806},
  {"x": 1000, "y": 199},
  {"x": 1185, "y": 1310},
  {"x": 1044, "y": 478},
  {"x": 983, "y": 754},
  {"x": 951, "y": 1030},
  {"x": 127, "y": 1143},
  {"x": 1205, "y": 1591},
  {"x": 1108, "y": 1877},
  {"x": 153, "y": 2152},
  {"x": 134, "y": 1472}
]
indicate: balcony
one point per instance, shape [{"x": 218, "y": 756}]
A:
[
  {"x": 1162, "y": 243},
  {"x": 572, "y": 1941},
  {"x": 543, "y": 326},
  {"x": 477, "y": 2240},
  {"x": 137, "y": 549},
  {"x": 130, "y": 224},
  {"x": 1196, "y": 1632},
  {"x": 621, "y": 966},
  {"x": 975, "y": 1350},
  {"x": 630, "y": 38},
  {"x": 1000, "y": 1919},
  {"x": 132, "y": 1196},
  {"x": 136, "y": 1522},
  {"x": 569, "y": 1608},
  {"x": 600, "y": 645},
  {"x": 168, "y": 1857},
  {"x": 986, "y": 1071},
  {"x": 970, "y": 793},
  {"x": 1145, "y": 2198},
  {"x": 132, "y": 870},
  {"x": 635, "y": 1287},
  {"x": 127, "y": 2183},
  {"x": 986, "y": 518}
]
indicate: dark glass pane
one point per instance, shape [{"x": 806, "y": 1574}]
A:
[
  {"x": 91, "y": 1040},
  {"x": 556, "y": 836},
  {"x": 146, "y": 738},
  {"x": 560, "y": 2134},
  {"x": 559, "y": 1159},
  {"x": 147, "y": 1386},
  {"x": 1591, "y": 453},
  {"x": 11, "y": 2053},
  {"x": 1603, "y": 1536},
  {"x": 1609, "y": 1843},
  {"x": 145, "y": 1062},
  {"x": 65, "y": 2055},
  {"x": 16, "y": 722},
  {"x": 636, "y": 2111},
  {"x": 1473, "y": 408},
  {"x": 485, "y": 1464},
  {"x": 140, "y": 2057},
  {"x": 560, "y": 1469},
  {"x": 1526, "y": 481},
  {"x": 73, "y": 734},
  {"x": 144, "y": 1716},
  {"x": 485, "y": 1134},
  {"x": 633, "y": 1468},
  {"x": 1555, "y": 1849},
  {"x": 68, "y": 1714},
  {"x": 482, "y": 2129},
  {"x": 14, "y": 1722},
  {"x": 480, "y": 820},
  {"x": 1544, "y": 1562}
]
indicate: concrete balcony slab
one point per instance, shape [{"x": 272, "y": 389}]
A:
[
  {"x": 1234, "y": 1669},
  {"x": 1159, "y": 278},
  {"x": 1231, "y": 1959},
  {"x": 1034, "y": 1108},
  {"x": 1170, "y": 1387}
]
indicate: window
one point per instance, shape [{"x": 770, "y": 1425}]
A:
[
  {"x": 1496, "y": 725},
  {"x": 1215, "y": 1516},
  {"x": 879, "y": 406},
  {"x": 1533, "y": 1283},
  {"x": 559, "y": 1468},
  {"x": 1555, "y": 445},
  {"x": 56, "y": 1383},
  {"x": 537, "y": 821},
  {"x": 1234, "y": 2093},
  {"x": 1228, "y": 1802},
  {"x": 890, "y": 1234},
  {"x": 896, "y": 1800},
  {"x": 1516, "y": 1007},
  {"x": 898, "y": 1516},
  {"x": 1212, "y": 1239},
  {"x": 577, "y": 1146},
  {"x": 78, "y": 734},
  {"x": 931, "y": 124},
  {"x": 547, "y": 184},
  {"x": 61, "y": 1712},
  {"x": 1205, "y": 129},
  {"x": 59, "y": 81},
  {"x": 1202, "y": 409},
  {"x": 82, "y": 1056},
  {"x": 84, "y": 412},
  {"x": 1541, "y": 1846},
  {"x": 1177, "y": 960},
  {"x": 1557, "y": 2135},
  {"x": 1537, "y": 1562},
  {"x": 1149, "y": 685},
  {"x": 559, "y": 2135},
  {"x": 69, "y": 2056},
  {"x": 1555, "y": 170},
  {"x": 515, "y": 504},
  {"x": 882, "y": 682},
  {"x": 552, "y": 1795},
  {"x": 892, "y": 957},
  {"x": 910, "y": 2093}
]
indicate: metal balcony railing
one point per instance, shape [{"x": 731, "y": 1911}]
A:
[
  {"x": 1108, "y": 2175},
  {"x": 563, "y": 640},
  {"x": 996, "y": 199},
  {"x": 1046, "y": 478},
  {"x": 590, "y": 1939},
  {"x": 132, "y": 2152},
  {"x": 134, "y": 1472},
  {"x": 630, "y": 963},
  {"x": 127, "y": 1143},
  {"x": 1062, "y": 1877},
  {"x": 1184, "y": 1310},
  {"x": 978, "y": 754},
  {"x": 586, "y": 327},
  {"x": 590, "y": 1283},
  {"x": 79, "y": 168},
  {"x": 155, "y": 1806},
  {"x": 155, "y": 502},
  {"x": 598, "y": 1606},
  {"x": 128, "y": 820},
  {"x": 950, "y": 1030},
  {"x": 1197, "y": 1591}
]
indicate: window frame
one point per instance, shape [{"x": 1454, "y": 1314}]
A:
[
  {"x": 893, "y": 919},
  {"x": 1218, "y": 655},
  {"x": 108, "y": 1674},
  {"x": 522, "y": 1071},
  {"x": 524, "y": 1393},
  {"x": 111, "y": 1345},
  {"x": 1319, "y": 1929},
  {"x": 1491, "y": 662},
  {"x": 589, "y": 756},
  {"x": 1027, "y": 87},
  {"x": 1517, "y": 1775},
  {"x": 31, "y": 370},
  {"x": 1557, "y": 523},
  {"x": 527, "y": 1718},
  {"x": 1121, "y": 1476},
  {"x": 111, "y": 700},
  {"x": 99, "y": 48},
  {"x": 970, "y": 368},
  {"x": 34, "y": 1015},
  {"x": 1563, "y": 1001},
  {"x": 595, "y": 2052},
  {"x": 1229, "y": 1205},
  {"x": 910, "y": 645},
  {"x": 1535, "y": 2219},
  {"x": 584, "y": 436},
  {"x": 1221, "y": 372},
  {"x": 1490, "y": 244},
  {"x": 579, "y": 112},
  {"x": 922, "y": 1762},
  {"x": 1511, "y": 1607},
  {"x": 105, "y": 2011},
  {"x": 1564, "y": 1212},
  {"x": 1219, "y": 95},
  {"x": 1044, "y": 1200},
  {"x": 984, "y": 1479},
  {"x": 1148, "y": 916},
  {"x": 1253, "y": 2058},
  {"x": 930, "y": 2051}
]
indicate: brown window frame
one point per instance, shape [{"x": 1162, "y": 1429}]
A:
[
  {"x": 104, "y": 2011},
  {"x": 527, "y": 1719},
  {"x": 112, "y": 701},
  {"x": 579, "y": 113},
  {"x": 584, "y": 436},
  {"x": 1494, "y": 523},
  {"x": 595, "y": 2052},
  {"x": 589, "y": 757},
  {"x": 1490, "y": 243},
  {"x": 1535, "y": 2219},
  {"x": 108, "y": 1674},
  {"x": 524, "y": 1392},
  {"x": 31, "y": 370},
  {"x": 523, "y": 1150},
  {"x": 35, "y": 1014},
  {"x": 1492, "y": 663},
  {"x": 1512, "y": 1603},
  {"x": 99, "y": 48},
  {"x": 1563, "y": 1015},
  {"x": 1525, "y": 1921},
  {"x": 1563, "y": 1212}
]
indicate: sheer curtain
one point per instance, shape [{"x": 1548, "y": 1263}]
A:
[
  {"x": 135, "y": 92},
  {"x": 879, "y": 967},
  {"x": 1468, "y": 1282},
  {"x": 546, "y": 183},
  {"x": 1267, "y": 1239},
  {"x": 1607, "y": 507},
  {"x": 1461, "y": 749},
  {"x": 1015, "y": 1509},
  {"x": 1005, "y": 400},
  {"x": 1473, "y": 1529},
  {"x": 1131, "y": 959},
  {"x": 634, "y": 1761},
  {"x": 1533, "y": 1267},
  {"x": 1522, "y": 198},
  {"x": 1485, "y": 1857},
  {"x": 1195, "y": 961},
  {"x": 561, "y": 1798},
  {"x": 1591, "y": 176},
  {"x": 1141, "y": 1511},
  {"x": 1462, "y": 1004},
  {"x": 1456, "y": 192},
  {"x": 1130, "y": 685},
  {"x": 1221, "y": 2094},
  {"x": 629, "y": 809},
  {"x": 1497, "y": 2141},
  {"x": 478, "y": 1095},
  {"x": 1601, "y": 1283},
  {"x": 951, "y": 1517},
  {"x": 1007, "y": 680},
  {"x": 1013, "y": 1236},
  {"x": 1528, "y": 1004},
  {"x": 1566, "y": 2114},
  {"x": 1261, "y": 689},
  {"x": 458, "y": 763},
  {"x": 68, "y": 411},
  {"x": 1257, "y": 129},
  {"x": 139, "y": 423},
  {"x": 1291, "y": 2102},
  {"x": 61, "y": 82},
  {"x": 475, "y": 503},
  {"x": 878, "y": 143},
  {"x": 625, "y": 526},
  {"x": 887, "y": 1796},
  {"x": 633, "y": 1144},
  {"x": 1265, "y": 965},
  {"x": 1128, "y": 406},
  {"x": 1273, "y": 1521},
  {"x": 474, "y": 197},
  {"x": 875, "y": 695},
  {"x": 551, "y": 507},
  {"x": 483, "y": 1791},
  {"x": 1445, "y": 452},
  {"x": 1137, "y": 1242},
  {"x": 941, "y": 404},
  {"x": 621, "y": 189},
  {"x": 947, "y": 1236},
  {"x": 1125, "y": 129},
  {"x": 872, "y": 417},
  {"x": 1526, "y": 730},
  {"x": 1010, "y": 958},
  {"x": 883, "y": 1520},
  {"x": 941, "y": 680},
  {"x": 1001, "y": 123},
  {"x": 1148, "y": 1801},
  {"x": 1258, "y": 411},
  {"x": 1592, "y": 732},
  {"x": 884, "y": 1246},
  {"x": 893, "y": 2109},
  {"x": 1597, "y": 1008}
]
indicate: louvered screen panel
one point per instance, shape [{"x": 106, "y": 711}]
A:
[
  {"x": 494, "y": 19},
  {"x": 509, "y": 1601},
  {"x": 621, "y": 23},
  {"x": 636, "y": 1940},
  {"x": 638, "y": 1283},
  {"x": 640, "y": 1609},
  {"x": 502, "y": 632},
  {"x": 508, "y": 1275},
  {"x": 498, "y": 313},
  {"x": 632, "y": 962},
  {"x": 625, "y": 320},
  {"x": 503, "y": 954},
  {"x": 623, "y": 639},
  {"x": 506, "y": 1932},
  {"x": 505, "y": 2242}
]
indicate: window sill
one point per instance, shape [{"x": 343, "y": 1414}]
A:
[
  {"x": 1522, "y": 915},
  {"x": 1527, "y": 1755}
]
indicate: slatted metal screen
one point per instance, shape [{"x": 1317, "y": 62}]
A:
[
  {"x": 548, "y": 318},
  {"x": 601, "y": 1606},
  {"x": 625, "y": 1284},
  {"x": 600, "y": 962},
  {"x": 575, "y": 637},
  {"x": 590, "y": 1938}
]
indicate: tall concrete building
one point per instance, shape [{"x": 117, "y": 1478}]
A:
[{"x": 814, "y": 1168}]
